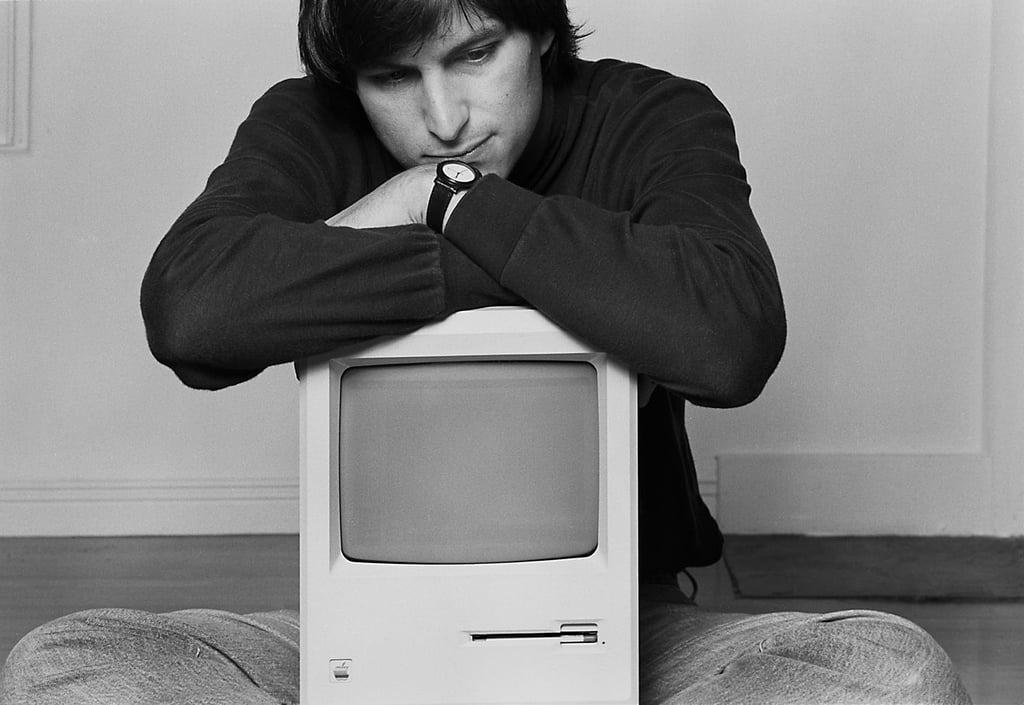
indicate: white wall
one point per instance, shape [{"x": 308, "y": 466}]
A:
[
  {"x": 1004, "y": 274},
  {"x": 132, "y": 105},
  {"x": 866, "y": 130}
]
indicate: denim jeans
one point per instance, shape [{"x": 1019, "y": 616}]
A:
[{"x": 687, "y": 655}]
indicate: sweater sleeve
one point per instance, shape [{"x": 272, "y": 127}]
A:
[
  {"x": 250, "y": 275},
  {"x": 659, "y": 259}
]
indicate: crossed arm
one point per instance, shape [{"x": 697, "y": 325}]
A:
[{"x": 296, "y": 248}]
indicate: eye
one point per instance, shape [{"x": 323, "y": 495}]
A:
[
  {"x": 390, "y": 78},
  {"x": 384, "y": 77},
  {"x": 479, "y": 54}
]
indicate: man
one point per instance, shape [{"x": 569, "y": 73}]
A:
[{"x": 608, "y": 196}]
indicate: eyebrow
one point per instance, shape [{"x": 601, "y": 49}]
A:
[{"x": 489, "y": 31}]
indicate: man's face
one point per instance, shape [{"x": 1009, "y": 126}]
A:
[{"x": 472, "y": 92}]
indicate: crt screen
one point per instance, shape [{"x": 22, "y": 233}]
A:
[{"x": 469, "y": 462}]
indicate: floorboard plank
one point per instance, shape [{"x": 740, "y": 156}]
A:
[{"x": 906, "y": 567}]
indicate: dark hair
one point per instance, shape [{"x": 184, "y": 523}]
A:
[{"x": 336, "y": 37}]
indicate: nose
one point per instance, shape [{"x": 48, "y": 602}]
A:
[{"x": 445, "y": 111}]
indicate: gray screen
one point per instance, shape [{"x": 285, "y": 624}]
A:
[{"x": 469, "y": 462}]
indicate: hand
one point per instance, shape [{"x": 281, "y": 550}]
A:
[{"x": 401, "y": 200}]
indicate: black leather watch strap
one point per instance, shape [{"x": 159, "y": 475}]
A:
[{"x": 437, "y": 206}]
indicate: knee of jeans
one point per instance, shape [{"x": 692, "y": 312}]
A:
[
  {"x": 32, "y": 655},
  {"x": 73, "y": 634},
  {"x": 896, "y": 654},
  {"x": 50, "y": 634},
  {"x": 888, "y": 631}
]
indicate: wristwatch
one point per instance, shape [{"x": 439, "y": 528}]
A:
[{"x": 452, "y": 177}]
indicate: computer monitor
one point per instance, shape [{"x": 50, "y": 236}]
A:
[{"x": 468, "y": 518}]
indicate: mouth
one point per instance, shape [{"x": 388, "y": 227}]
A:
[{"x": 465, "y": 155}]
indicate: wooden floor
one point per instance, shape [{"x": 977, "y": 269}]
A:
[{"x": 41, "y": 579}]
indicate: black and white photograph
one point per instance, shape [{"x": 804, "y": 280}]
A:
[{"x": 512, "y": 352}]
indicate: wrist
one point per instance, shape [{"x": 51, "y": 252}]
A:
[
  {"x": 451, "y": 208},
  {"x": 452, "y": 179}
]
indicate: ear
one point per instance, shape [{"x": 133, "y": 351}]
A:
[{"x": 544, "y": 41}]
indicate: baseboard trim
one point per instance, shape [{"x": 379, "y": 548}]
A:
[
  {"x": 139, "y": 507},
  {"x": 826, "y": 494},
  {"x": 810, "y": 494}
]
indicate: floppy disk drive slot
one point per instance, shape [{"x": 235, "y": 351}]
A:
[{"x": 567, "y": 634}]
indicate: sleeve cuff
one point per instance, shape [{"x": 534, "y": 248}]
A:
[
  {"x": 489, "y": 221},
  {"x": 467, "y": 285}
]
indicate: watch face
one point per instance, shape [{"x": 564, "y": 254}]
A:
[{"x": 459, "y": 172}]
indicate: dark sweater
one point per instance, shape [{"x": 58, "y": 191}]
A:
[{"x": 626, "y": 222}]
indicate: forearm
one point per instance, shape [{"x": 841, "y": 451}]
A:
[
  {"x": 694, "y": 305},
  {"x": 240, "y": 293}
]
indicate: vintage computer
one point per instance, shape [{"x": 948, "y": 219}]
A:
[{"x": 469, "y": 518}]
